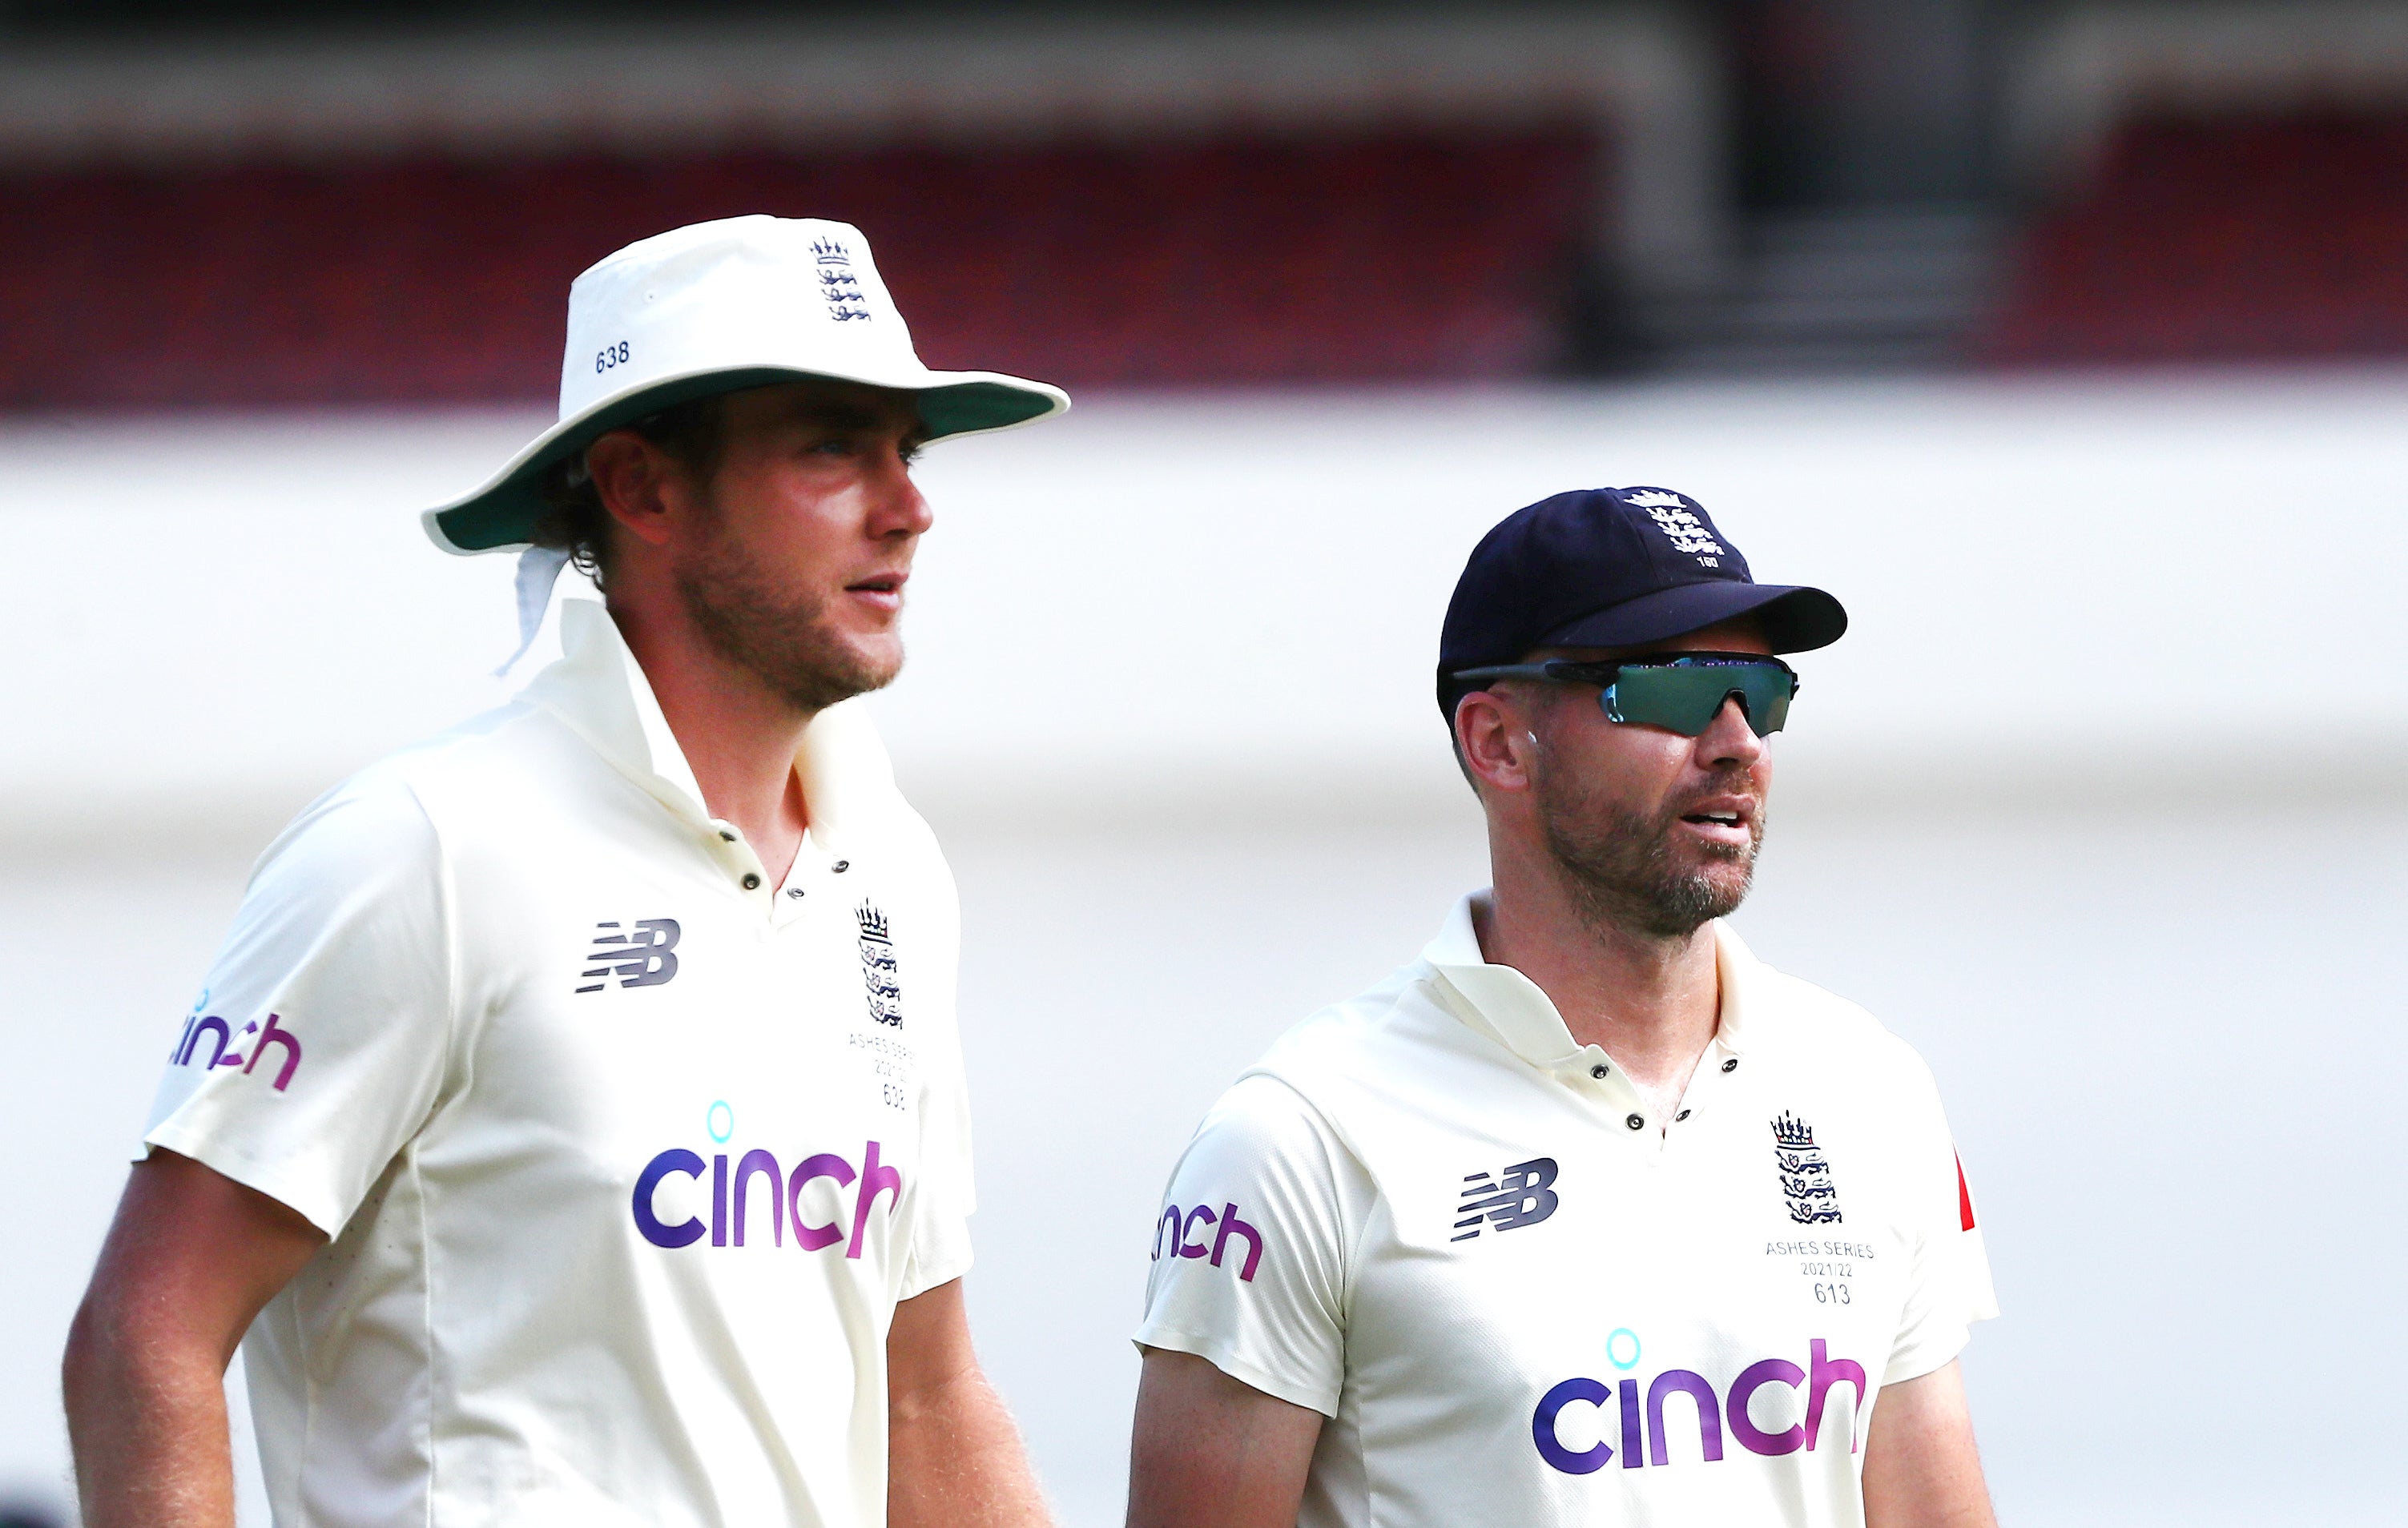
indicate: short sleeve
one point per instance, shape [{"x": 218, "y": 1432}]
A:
[
  {"x": 1950, "y": 1288},
  {"x": 940, "y": 1249},
  {"x": 321, "y": 1040},
  {"x": 1249, "y": 1248},
  {"x": 940, "y": 1210}
]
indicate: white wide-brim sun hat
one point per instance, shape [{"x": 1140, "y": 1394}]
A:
[{"x": 712, "y": 307}]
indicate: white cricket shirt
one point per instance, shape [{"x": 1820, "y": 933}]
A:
[
  {"x": 627, "y": 1154},
  {"x": 1432, "y": 1217}
]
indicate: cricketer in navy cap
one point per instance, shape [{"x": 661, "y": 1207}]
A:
[
  {"x": 1407, "y": 1195},
  {"x": 1611, "y": 567}
]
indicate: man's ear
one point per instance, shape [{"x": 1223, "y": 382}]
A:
[
  {"x": 633, "y": 478},
  {"x": 1494, "y": 741}
]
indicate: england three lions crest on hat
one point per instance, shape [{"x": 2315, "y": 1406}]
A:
[{"x": 715, "y": 308}]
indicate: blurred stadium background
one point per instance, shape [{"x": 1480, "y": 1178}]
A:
[{"x": 2068, "y": 342}]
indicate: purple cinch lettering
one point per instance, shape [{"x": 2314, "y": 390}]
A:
[
  {"x": 1542, "y": 1427},
  {"x": 810, "y": 1238},
  {"x": 685, "y": 1232},
  {"x": 193, "y": 1042},
  {"x": 1194, "y": 1249},
  {"x": 875, "y": 1180},
  {"x": 1829, "y": 1371},
  {"x": 719, "y": 1200},
  {"x": 758, "y": 1160},
  {"x": 1230, "y": 1224},
  {"x": 1631, "y": 1454},
  {"x": 272, "y": 1034},
  {"x": 1710, "y": 1425},
  {"x": 1168, "y": 1220},
  {"x": 1770, "y": 1371}
]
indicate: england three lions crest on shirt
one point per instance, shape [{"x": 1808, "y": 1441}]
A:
[
  {"x": 880, "y": 977},
  {"x": 1805, "y": 1175}
]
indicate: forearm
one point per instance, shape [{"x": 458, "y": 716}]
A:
[
  {"x": 955, "y": 1460},
  {"x": 189, "y": 1262},
  {"x": 1922, "y": 1470},
  {"x": 147, "y": 1422},
  {"x": 1211, "y": 1451}
]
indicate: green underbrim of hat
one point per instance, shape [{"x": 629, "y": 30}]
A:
[{"x": 505, "y": 515}]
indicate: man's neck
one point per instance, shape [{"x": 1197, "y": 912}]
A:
[
  {"x": 737, "y": 737},
  {"x": 1650, "y": 1002}
]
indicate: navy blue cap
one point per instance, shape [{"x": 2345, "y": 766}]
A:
[{"x": 1611, "y": 567}]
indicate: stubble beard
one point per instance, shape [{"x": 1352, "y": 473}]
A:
[
  {"x": 783, "y": 639},
  {"x": 1623, "y": 869}
]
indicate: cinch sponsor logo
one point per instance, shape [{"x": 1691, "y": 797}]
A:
[
  {"x": 784, "y": 1194},
  {"x": 226, "y": 1043},
  {"x": 1181, "y": 1229},
  {"x": 1643, "y": 1433}
]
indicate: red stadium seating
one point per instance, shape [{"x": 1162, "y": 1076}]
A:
[
  {"x": 2233, "y": 239},
  {"x": 1260, "y": 260}
]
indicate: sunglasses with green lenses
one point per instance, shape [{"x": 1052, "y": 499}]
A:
[{"x": 1683, "y": 692}]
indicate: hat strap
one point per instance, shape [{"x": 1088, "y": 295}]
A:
[{"x": 539, "y": 570}]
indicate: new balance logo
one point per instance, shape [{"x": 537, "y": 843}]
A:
[
  {"x": 1518, "y": 1197},
  {"x": 637, "y": 959}
]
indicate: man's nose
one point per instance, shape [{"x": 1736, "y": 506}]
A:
[
  {"x": 1728, "y": 740},
  {"x": 902, "y": 509}
]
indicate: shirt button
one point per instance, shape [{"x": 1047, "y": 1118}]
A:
[
  {"x": 842, "y": 866},
  {"x": 1731, "y": 1065},
  {"x": 751, "y": 882},
  {"x": 1598, "y": 1071},
  {"x": 728, "y": 834},
  {"x": 1636, "y": 1122},
  {"x": 1678, "y": 1118},
  {"x": 794, "y": 892}
]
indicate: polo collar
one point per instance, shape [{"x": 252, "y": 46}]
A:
[
  {"x": 600, "y": 689},
  {"x": 1512, "y": 1009}
]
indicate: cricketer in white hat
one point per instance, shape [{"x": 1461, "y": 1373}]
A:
[{"x": 572, "y": 1128}]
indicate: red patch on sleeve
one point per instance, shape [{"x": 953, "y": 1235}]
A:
[{"x": 1964, "y": 1199}]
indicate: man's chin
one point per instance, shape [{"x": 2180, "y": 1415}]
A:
[
  {"x": 1713, "y": 885},
  {"x": 874, "y": 664}
]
